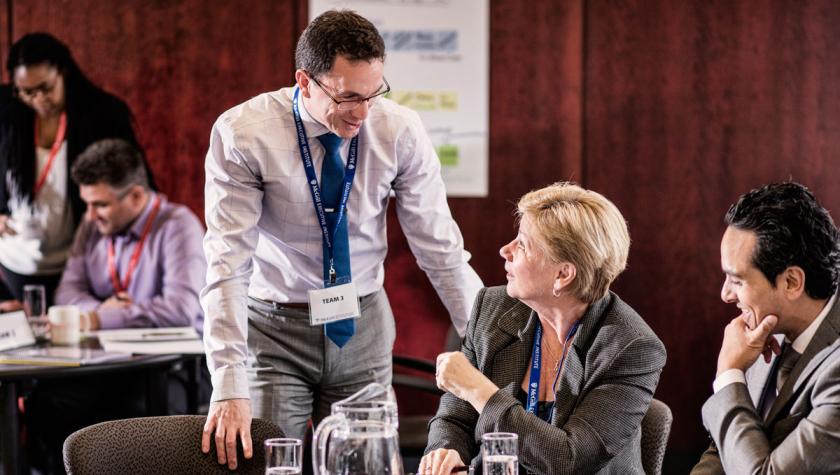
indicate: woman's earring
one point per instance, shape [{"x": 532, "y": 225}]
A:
[{"x": 555, "y": 292}]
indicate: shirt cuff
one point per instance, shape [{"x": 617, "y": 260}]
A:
[
  {"x": 728, "y": 377},
  {"x": 229, "y": 383}
]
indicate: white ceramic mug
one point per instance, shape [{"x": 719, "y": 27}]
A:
[{"x": 65, "y": 324}]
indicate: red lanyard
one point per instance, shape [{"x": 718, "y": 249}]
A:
[
  {"x": 56, "y": 146},
  {"x": 135, "y": 257}
]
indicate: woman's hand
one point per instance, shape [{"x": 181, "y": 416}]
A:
[
  {"x": 456, "y": 375},
  {"x": 5, "y": 228},
  {"x": 439, "y": 462}
]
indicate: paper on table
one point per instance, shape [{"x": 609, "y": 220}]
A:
[
  {"x": 152, "y": 341},
  {"x": 60, "y": 356},
  {"x": 142, "y": 335},
  {"x": 187, "y": 347},
  {"x": 15, "y": 331}
]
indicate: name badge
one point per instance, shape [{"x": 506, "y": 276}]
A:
[
  {"x": 334, "y": 303},
  {"x": 15, "y": 331}
]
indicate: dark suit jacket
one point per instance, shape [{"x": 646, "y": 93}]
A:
[
  {"x": 610, "y": 376},
  {"x": 802, "y": 430}
]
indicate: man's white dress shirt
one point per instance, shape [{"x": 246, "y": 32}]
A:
[{"x": 263, "y": 239}]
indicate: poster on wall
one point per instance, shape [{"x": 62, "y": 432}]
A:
[{"x": 437, "y": 62}]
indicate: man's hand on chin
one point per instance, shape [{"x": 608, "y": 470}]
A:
[{"x": 742, "y": 345}]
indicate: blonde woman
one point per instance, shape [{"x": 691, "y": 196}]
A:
[{"x": 581, "y": 410}]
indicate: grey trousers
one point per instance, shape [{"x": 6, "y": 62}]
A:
[{"x": 295, "y": 372}]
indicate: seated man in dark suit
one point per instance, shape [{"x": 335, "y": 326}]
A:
[{"x": 777, "y": 414}]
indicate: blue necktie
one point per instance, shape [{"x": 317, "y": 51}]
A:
[{"x": 332, "y": 179}]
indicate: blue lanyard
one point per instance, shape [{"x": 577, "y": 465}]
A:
[
  {"x": 315, "y": 190},
  {"x": 536, "y": 366}
]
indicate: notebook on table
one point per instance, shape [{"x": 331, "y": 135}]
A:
[{"x": 60, "y": 356}]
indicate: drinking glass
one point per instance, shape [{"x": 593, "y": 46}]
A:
[
  {"x": 283, "y": 456},
  {"x": 499, "y": 453},
  {"x": 35, "y": 307}
]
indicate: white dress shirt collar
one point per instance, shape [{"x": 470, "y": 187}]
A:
[
  {"x": 310, "y": 124},
  {"x": 806, "y": 336}
]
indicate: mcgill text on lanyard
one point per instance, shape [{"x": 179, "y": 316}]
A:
[
  {"x": 536, "y": 366},
  {"x": 338, "y": 300}
]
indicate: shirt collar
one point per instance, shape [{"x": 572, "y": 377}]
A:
[
  {"x": 805, "y": 337},
  {"x": 136, "y": 228},
  {"x": 313, "y": 127}
]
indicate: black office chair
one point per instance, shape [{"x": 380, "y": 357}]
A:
[
  {"x": 413, "y": 433},
  {"x": 419, "y": 377},
  {"x": 656, "y": 426},
  {"x": 155, "y": 445}
]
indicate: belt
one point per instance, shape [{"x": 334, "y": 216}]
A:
[
  {"x": 295, "y": 305},
  {"x": 303, "y": 305}
]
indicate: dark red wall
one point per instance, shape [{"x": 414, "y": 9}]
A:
[
  {"x": 688, "y": 105},
  {"x": 671, "y": 109},
  {"x": 178, "y": 65}
]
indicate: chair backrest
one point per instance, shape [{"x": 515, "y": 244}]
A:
[
  {"x": 154, "y": 445},
  {"x": 656, "y": 426}
]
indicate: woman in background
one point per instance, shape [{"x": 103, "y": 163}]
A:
[
  {"x": 578, "y": 405},
  {"x": 50, "y": 115}
]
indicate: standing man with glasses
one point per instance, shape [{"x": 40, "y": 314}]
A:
[{"x": 298, "y": 184}]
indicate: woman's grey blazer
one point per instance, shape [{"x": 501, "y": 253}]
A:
[{"x": 610, "y": 375}]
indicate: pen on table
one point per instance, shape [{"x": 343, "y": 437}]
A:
[{"x": 164, "y": 334}]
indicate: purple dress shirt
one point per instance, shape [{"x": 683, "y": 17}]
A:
[{"x": 165, "y": 285}]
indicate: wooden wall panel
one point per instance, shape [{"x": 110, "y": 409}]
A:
[
  {"x": 179, "y": 64},
  {"x": 688, "y": 105}
]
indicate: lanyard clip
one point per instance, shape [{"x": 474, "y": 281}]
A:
[{"x": 332, "y": 272}]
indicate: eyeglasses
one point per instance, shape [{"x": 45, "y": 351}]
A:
[
  {"x": 43, "y": 88},
  {"x": 350, "y": 104}
]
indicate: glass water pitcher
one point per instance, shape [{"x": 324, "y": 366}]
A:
[{"x": 360, "y": 437}]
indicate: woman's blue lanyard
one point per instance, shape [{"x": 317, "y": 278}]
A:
[
  {"x": 536, "y": 366},
  {"x": 315, "y": 190}
]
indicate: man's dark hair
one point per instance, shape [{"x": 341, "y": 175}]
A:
[
  {"x": 792, "y": 230},
  {"x": 114, "y": 162},
  {"x": 337, "y": 32}
]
